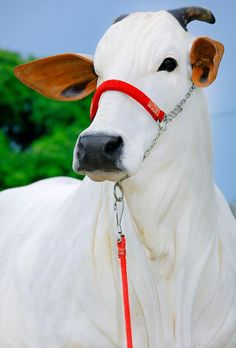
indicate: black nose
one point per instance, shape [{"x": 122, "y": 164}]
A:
[{"x": 100, "y": 152}]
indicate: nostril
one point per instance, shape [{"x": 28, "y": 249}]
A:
[{"x": 113, "y": 145}]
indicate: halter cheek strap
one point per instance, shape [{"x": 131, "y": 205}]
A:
[{"x": 133, "y": 92}]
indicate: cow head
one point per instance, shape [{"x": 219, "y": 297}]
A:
[{"x": 152, "y": 51}]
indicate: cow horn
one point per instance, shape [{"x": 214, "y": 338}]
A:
[{"x": 186, "y": 15}]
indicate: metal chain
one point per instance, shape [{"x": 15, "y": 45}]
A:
[
  {"x": 155, "y": 140},
  {"x": 162, "y": 127},
  {"x": 178, "y": 108}
]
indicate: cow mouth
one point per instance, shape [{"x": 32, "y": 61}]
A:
[{"x": 99, "y": 175}]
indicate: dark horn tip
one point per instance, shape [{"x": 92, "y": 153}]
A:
[
  {"x": 213, "y": 19},
  {"x": 185, "y": 15},
  {"x": 208, "y": 17}
]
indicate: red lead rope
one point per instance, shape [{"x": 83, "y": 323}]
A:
[{"x": 122, "y": 256}]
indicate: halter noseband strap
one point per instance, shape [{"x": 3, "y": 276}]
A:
[{"x": 124, "y": 87}]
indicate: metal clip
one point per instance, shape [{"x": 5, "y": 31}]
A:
[{"x": 119, "y": 207}]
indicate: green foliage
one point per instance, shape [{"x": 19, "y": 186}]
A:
[{"x": 37, "y": 135}]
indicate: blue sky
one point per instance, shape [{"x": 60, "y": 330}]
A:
[{"x": 48, "y": 27}]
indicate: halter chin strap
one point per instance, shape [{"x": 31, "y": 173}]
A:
[{"x": 133, "y": 92}]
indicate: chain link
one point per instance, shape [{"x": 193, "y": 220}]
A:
[
  {"x": 147, "y": 152},
  {"x": 162, "y": 127},
  {"x": 178, "y": 108}
]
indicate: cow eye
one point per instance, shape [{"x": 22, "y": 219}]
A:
[{"x": 168, "y": 64}]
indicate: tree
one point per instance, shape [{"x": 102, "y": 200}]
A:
[{"x": 37, "y": 135}]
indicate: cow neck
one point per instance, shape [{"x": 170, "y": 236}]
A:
[
  {"x": 176, "y": 178},
  {"x": 168, "y": 200}
]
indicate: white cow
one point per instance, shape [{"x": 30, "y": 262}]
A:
[{"x": 60, "y": 279}]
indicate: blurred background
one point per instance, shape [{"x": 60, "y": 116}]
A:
[{"x": 37, "y": 135}]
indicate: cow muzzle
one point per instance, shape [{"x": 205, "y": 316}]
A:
[
  {"x": 101, "y": 155},
  {"x": 98, "y": 152}
]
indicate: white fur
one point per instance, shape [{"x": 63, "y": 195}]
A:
[{"x": 60, "y": 282}]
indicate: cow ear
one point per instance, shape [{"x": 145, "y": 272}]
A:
[
  {"x": 205, "y": 57},
  {"x": 63, "y": 77}
]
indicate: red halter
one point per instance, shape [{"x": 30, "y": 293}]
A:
[{"x": 124, "y": 87}]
